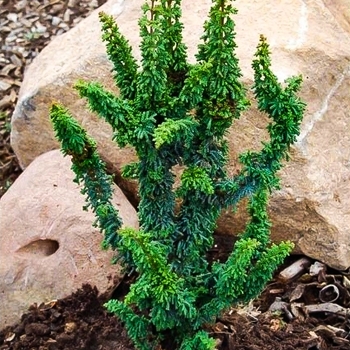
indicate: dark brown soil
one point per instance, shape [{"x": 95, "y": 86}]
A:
[
  {"x": 80, "y": 322},
  {"x": 77, "y": 322}
]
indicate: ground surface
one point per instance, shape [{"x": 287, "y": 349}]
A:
[{"x": 80, "y": 320}]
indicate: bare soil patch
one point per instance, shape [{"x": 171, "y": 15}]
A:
[{"x": 80, "y": 321}]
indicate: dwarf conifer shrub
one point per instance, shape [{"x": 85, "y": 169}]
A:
[{"x": 176, "y": 113}]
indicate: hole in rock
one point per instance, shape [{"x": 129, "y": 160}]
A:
[{"x": 40, "y": 247}]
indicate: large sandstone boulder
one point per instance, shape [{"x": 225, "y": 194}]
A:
[
  {"x": 312, "y": 208},
  {"x": 48, "y": 247}
]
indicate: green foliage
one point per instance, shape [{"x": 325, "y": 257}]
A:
[
  {"x": 195, "y": 179},
  {"x": 171, "y": 131},
  {"x": 175, "y": 113},
  {"x": 200, "y": 341}
]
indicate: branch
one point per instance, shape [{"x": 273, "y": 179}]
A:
[
  {"x": 89, "y": 170},
  {"x": 119, "y": 52}
]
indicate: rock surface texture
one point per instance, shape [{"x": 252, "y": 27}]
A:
[
  {"x": 48, "y": 247},
  {"x": 313, "y": 206}
]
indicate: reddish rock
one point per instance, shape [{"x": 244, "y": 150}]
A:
[{"x": 48, "y": 247}]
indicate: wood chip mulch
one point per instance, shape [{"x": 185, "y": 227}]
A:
[{"x": 26, "y": 27}]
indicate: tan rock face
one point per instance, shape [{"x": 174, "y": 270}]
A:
[
  {"x": 48, "y": 247},
  {"x": 308, "y": 38},
  {"x": 341, "y": 11}
]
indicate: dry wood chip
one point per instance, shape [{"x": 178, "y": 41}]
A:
[
  {"x": 13, "y": 17},
  {"x": 73, "y": 3},
  {"x": 10, "y": 38},
  {"x": 40, "y": 28},
  {"x": 297, "y": 310},
  {"x": 18, "y": 74},
  {"x": 294, "y": 270},
  {"x": 67, "y": 15},
  {"x": 341, "y": 341},
  {"x": 32, "y": 17},
  {"x": 13, "y": 94},
  {"x": 16, "y": 61},
  {"x": 5, "y": 102},
  {"x": 327, "y": 307},
  {"x": 346, "y": 282},
  {"x": 50, "y": 4},
  {"x": 20, "y": 5},
  {"x": 325, "y": 331},
  {"x": 6, "y": 29},
  {"x": 297, "y": 292},
  {"x": 27, "y": 23},
  {"x": 56, "y": 9},
  {"x": 5, "y": 84},
  {"x": 338, "y": 331},
  {"x": 10, "y": 337},
  {"x": 7, "y": 69}
]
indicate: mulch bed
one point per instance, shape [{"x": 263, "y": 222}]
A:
[
  {"x": 80, "y": 321},
  {"x": 26, "y": 27}
]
